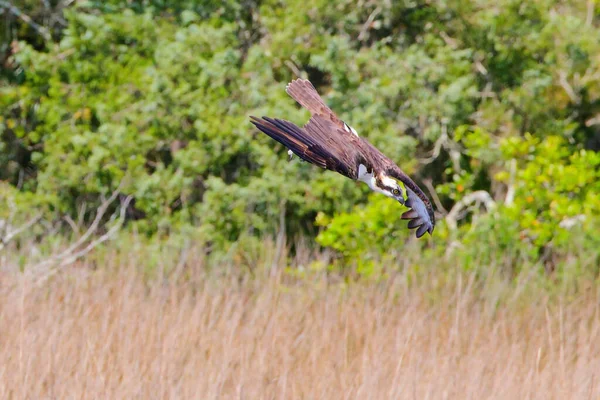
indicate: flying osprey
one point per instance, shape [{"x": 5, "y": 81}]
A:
[{"x": 330, "y": 143}]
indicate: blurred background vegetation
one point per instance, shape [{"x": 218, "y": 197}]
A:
[{"x": 492, "y": 106}]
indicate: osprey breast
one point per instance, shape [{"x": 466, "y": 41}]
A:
[{"x": 364, "y": 175}]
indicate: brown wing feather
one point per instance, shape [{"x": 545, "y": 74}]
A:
[
  {"x": 318, "y": 142},
  {"x": 294, "y": 139},
  {"x": 344, "y": 148}
]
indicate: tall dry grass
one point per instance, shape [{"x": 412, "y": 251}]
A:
[{"x": 112, "y": 333}]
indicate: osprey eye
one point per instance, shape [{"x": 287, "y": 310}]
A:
[{"x": 396, "y": 192}]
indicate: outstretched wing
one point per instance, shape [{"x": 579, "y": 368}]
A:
[
  {"x": 325, "y": 140},
  {"x": 319, "y": 142}
]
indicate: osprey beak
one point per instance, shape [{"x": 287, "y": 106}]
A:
[{"x": 401, "y": 200}]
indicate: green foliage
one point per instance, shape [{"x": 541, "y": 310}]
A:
[
  {"x": 552, "y": 187},
  {"x": 512, "y": 117},
  {"x": 153, "y": 97}
]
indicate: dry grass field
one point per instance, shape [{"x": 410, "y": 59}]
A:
[{"x": 114, "y": 334}]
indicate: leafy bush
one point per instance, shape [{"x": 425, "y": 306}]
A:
[{"x": 153, "y": 98}]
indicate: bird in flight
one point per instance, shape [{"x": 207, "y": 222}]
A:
[{"x": 330, "y": 143}]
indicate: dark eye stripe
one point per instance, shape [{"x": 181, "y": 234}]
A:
[
  {"x": 392, "y": 190},
  {"x": 388, "y": 188}
]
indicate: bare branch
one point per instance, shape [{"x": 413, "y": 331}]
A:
[
  {"x": 292, "y": 66},
  {"x": 94, "y": 243},
  {"x": 562, "y": 79},
  {"x": 367, "y": 25},
  {"x": 64, "y": 259},
  {"x": 5, "y": 4},
  {"x": 444, "y": 142},
  {"x": 595, "y": 120},
  {"x": 568, "y": 223},
  {"x": 480, "y": 196},
  {"x": 452, "y": 43},
  {"x": 71, "y": 254},
  {"x": 12, "y": 233},
  {"x": 429, "y": 185},
  {"x": 72, "y": 224},
  {"x": 487, "y": 92},
  {"x": 437, "y": 148},
  {"x": 94, "y": 227},
  {"x": 589, "y": 18},
  {"x": 183, "y": 257},
  {"x": 510, "y": 193},
  {"x": 280, "y": 243},
  {"x": 480, "y": 67}
]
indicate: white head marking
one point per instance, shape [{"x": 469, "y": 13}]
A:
[{"x": 369, "y": 178}]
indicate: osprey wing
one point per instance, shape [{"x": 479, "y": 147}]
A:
[{"x": 320, "y": 142}]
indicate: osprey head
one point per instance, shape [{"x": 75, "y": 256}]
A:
[
  {"x": 390, "y": 188},
  {"x": 386, "y": 182},
  {"x": 381, "y": 183}
]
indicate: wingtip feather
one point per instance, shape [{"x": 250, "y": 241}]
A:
[
  {"x": 410, "y": 214},
  {"x": 415, "y": 223},
  {"x": 421, "y": 231}
]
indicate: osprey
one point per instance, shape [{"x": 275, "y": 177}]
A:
[{"x": 330, "y": 143}]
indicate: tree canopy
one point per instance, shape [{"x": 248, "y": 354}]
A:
[{"x": 492, "y": 105}]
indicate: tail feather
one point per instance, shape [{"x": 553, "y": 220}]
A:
[{"x": 307, "y": 96}]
